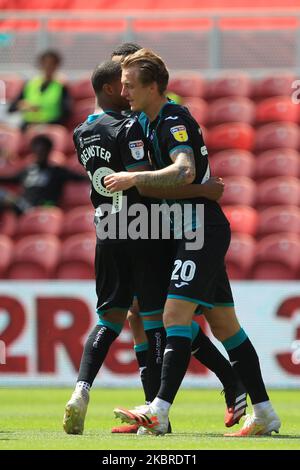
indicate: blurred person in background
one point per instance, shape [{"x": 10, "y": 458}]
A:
[
  {"x": 42, "y": 182},
  {"x": 44, "y": 99}
]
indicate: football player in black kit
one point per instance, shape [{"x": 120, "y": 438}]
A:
[
  {"x": 199, "y": 275},
  {"x": 107, "y": 143}
]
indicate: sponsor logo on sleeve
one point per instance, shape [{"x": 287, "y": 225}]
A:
[
  {"x": 137, "y": 149},
  {"x": 179, "y": 133},
  {"x": 171, "y": 118},
  {"x": 204, "y": 150}
]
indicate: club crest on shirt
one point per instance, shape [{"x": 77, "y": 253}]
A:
[
  {"x": 179, "y": 133},
  {"x": 137, "y": 149}
]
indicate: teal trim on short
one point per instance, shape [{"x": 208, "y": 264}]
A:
[
  {"x": 235, "y": 340},
  {"x": 141, "y": 347},
  {"x": 195, "y": 301},
  {"x": 179, "y": 330},
  {"x": 225, "y": 304},
  {"x": 152, "y": 312},
  {"x": 180, "y": 146},
  {"x": 116, "y": 327},
  {"x": 195, "y": 329},
  {"x": 134, "y": 165},
  {"x": 151, "y": 325}
]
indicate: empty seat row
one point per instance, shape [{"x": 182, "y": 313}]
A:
[
  {"x": 242, "y": 109},
  {"x": 278, "y": 219},
  {"x": 268, "y": 164},
  {"x": 46, "y": 257},
  {"x": 49, "y": 220},
  {"x": 276, "y": 256},
  {"x": 239, "y": 135},
  {"x": 282, "y": 190}
]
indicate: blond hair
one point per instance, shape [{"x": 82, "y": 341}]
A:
[{"x": 151, "y": 68}]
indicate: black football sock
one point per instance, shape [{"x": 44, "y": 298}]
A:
[
  {"x": 245, "y": 362},
  {"x": 95, "y": 351},
  {"x": 207, "y": 353},
  {"x": 177, "y": 356},
  {"x": 156, "y": 335},
  {"x": 141, "y": 352}
]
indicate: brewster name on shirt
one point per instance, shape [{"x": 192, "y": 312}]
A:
[{"x": 94, "y": 151}]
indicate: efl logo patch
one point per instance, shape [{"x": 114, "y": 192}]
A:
[
  {"x": 179, "y": 133},
  {"x": 137, "y": 149}
]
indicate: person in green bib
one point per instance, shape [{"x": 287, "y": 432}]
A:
[{"x": 44, "y": 99}]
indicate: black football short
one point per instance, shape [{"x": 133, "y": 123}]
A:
[
  {"x": 200, "y": 276},
  {"x": 139, "y": 268}
]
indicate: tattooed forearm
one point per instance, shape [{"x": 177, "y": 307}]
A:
[{"x": 181, "y": 172}]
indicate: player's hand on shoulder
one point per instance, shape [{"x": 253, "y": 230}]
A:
[{"x": 214, "y": 188}]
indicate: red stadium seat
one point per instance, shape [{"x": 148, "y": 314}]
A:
[
  {"x": 282, "y": 190},
  {"x": 13, "y": 86},
  {"x": 11, "y": 167},
  {"x": 239, "y": 258},
  {"x": 233, "y": 163},
  {"x": 8, "y": 223},
  {"x": 81, "y": 111},
  {"x": 231, "y": 135},
  {"x": 243, "y": 219},
  {"x": 277, "y": 135},
  {"x": 77, "y": 259},
  {"x": 277, "y": 257},
  {"x": 279, "y": 219},
  {"x": 233, "y": 109},
  {"x": 79, "y": 220},
  {"x": 239, "y": 190},
  {"x": 74, "y": 165},
  {"x": 234, "y": 85},
  {"x": 81, "y": 89},
  {"x": 198, "y": 109},
  {"x": 277, "y": 162},
  {"x": 44, "y": 220},
  {"x": 9, "y": 142},
  {"x": 278, "y": 108},
  {"x": 34, "y": 257},
  {"x": 187, "y": 85},
  {"x": 6, "y": 250},
  {"x": 58, "y": 134},
  {"x": 75, "y": 194},
  {"x": 279, "y": 85}
]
